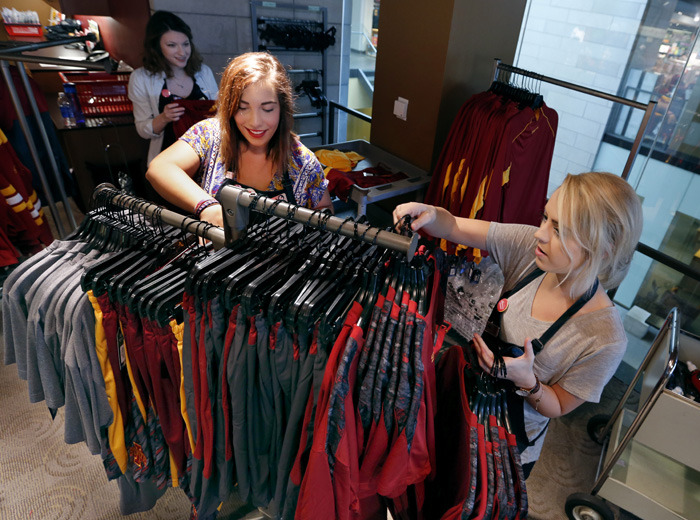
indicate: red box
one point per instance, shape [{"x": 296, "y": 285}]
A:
[
  {"x": 26, "y": 32},
  {"x": 100, "y": 93}
]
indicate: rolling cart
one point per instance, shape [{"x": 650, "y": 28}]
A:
[{"x": 650, "y": 463}]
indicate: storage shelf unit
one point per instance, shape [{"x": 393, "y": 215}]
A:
[{"x": 310, "y": 19}]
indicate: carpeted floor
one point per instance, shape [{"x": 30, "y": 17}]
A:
[{"x": 42, "y": 477}]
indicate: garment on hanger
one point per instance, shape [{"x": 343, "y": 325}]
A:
[
  {"x": 24, "y": 225},
  {"x": 495, "y": 162},
  {"x": 9, "y": 123},
  {"x": 55, "y": 334},
  {"x": 293, "y": 367}
]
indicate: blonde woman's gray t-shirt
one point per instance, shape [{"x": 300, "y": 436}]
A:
[{"x": 581, "y": 357}]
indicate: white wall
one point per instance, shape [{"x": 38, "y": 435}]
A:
[{"x": 588, "y": 43}]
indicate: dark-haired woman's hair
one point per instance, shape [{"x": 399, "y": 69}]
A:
[
  {"x": 153, "y": 59},
  {"x": 243, "y": 71}
]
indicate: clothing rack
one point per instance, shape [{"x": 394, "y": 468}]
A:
[
  {"x": 109, "y": 194},
  {"x": 12, "y": 51},
  {"x": 237, "y": 202},
  {"x": 647, "y": 107}
]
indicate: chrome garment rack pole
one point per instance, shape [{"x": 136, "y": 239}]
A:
[
  {"x": 647, "y": 107},
  {"x": 11, "y": 51},
  {"x": 106, "y": 191},
  {"x": 47, "y": 145},
  {"x": 237, "y": 201},
  {"x": 32, "y": 147}
]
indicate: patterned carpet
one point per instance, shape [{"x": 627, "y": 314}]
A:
[{"x": 42, "y": 477}]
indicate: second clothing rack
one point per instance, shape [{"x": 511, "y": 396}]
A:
[{"x": 647, "y": 107}]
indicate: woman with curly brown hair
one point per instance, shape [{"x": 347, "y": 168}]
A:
[
  {"x": 172, "y": 69},
  {"x": 249, "y": 141}
]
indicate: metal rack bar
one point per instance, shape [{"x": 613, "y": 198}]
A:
[
  {"x": 648, "y": 107},
  {"x": 237, "y": 201},
  {"x": 47, "y": 145},
  {"x": 32, "y": 145},
  {"x": 12, "y": 51},
  {"x": 17, "y": 47},
  {"x": 191, "y": 225}
]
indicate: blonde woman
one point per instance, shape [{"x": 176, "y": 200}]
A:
[{"x": 588, "y": 234}]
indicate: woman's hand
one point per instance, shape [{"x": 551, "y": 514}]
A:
[
  {"x": 213, "y": 215},
  {"x": 518, "y": 370},
  {"x": 173, "y": 112},
  {"x": 422, "y": 214}
]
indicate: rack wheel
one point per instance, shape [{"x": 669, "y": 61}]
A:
[
  {"x": 595, "y": 427},
  {"x": 582, "y": 506}
]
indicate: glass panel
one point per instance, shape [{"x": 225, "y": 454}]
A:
[{"x": 363, "y": 57}]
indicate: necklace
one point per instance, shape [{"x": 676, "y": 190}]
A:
[{"x": 178, "y": 84}]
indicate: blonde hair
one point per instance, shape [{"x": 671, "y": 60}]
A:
[
  {"x": 243, "y": 71},
  {"x": 601, "y": 213}
]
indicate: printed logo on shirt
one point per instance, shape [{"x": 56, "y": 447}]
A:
[{"x": 122, "y": 347}]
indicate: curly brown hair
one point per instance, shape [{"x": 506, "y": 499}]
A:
[
  {"x": 159, "y": 23},
  {"x": 244, "y": 70}
]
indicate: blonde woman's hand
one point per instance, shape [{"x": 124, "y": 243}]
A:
[
  {"x": 518, "y": 370},
  {"x": 422, "y": 214}
]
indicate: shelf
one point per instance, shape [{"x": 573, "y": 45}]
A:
[{"x": 648, "y": 483}]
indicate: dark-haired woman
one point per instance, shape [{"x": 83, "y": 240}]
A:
[
  {"x": 249, "y": 141},
  {"x": 172, "y": 69}
]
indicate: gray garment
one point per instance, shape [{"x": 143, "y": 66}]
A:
[
  {"x": 14, "y": 307},
  {"x": 38, "y": 302},
  {"x": 581, "y": 357},
  {"x": 47, "y": 343},
  {"x": 237, "y": 374},
  {"x": 217, "y": 335},
  {"x": 7, "y": 308},
  {"x": 188, "y": 379},
  {"x": 85, "y": 374}
]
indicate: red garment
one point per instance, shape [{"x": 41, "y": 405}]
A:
[
  {"x": 110, "y": 322},
  {"x": 421, "y": 449},
  {"x": 164, "y": 371},
  {"x": 205, "y": 442},
  {"x": 340, "y": 183},
  {"x": 28, "y": 227},
  {"x": 225, "y": 403},
  {"x": 195, "y": 111},
  {"x": 495, "y": 162},
  {"x": 446, "y": 496},
  {"x": 316, "y": 496}
]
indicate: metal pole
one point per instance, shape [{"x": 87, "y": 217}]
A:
[
  {"x": 23, "y": 47},
  {"x": 233, "y": 198},
  {"x": 638, "y": 139},
  {"x": 671, "y": 323},
  {"x": 571, "y": 86},
  {"x": 81, "y": 64},
  {"x": 331, "y": 122},
  {"x": 47, "y": 144},
  {"x": 32, "y": 147},
  {"x": 191, "y": 225}
]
